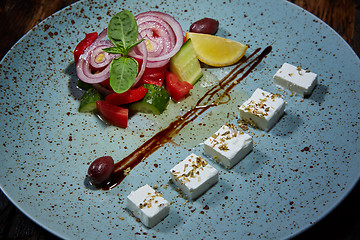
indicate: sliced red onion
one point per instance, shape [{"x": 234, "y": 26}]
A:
[
  {"x": 144, "y": 56},
  {"x": 159, "y": 29},
  {"x": 159, "y": 33},
  {"x": 100, "y": 59},
  {"x": 164, "y": 34},
  {"x": 101, "y": 35},
  {"x": 95, "y": 58},
  {"x": 90, "y": 60}
]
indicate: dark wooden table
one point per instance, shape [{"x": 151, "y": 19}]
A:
[{"x": 19, "y": 16}]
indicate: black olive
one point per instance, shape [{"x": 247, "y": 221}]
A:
[
  {"x": 205, "y": 25},
  {"x": 100, "y": 170}
]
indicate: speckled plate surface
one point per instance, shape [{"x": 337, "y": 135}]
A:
[{"x": 296, "y": 174}]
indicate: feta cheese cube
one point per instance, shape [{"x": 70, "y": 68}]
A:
[
  {"x": 148, "y": 205},
  {"x": 262, "y": 109},
  {"x": 228, "y": 145},
  {"x": 295, "y": 79},
  {"x": 194, "y": 175}
]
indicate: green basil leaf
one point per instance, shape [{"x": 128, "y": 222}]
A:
[
  {"x": 135, "y": 44},
  {"x": 126, "y": 51},
  {"x": 123, "y": 30},
  {"x": 114, "y": 50},
  {"x": 123, "y": 72}
]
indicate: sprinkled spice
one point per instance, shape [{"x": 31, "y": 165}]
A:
[
  {"x": 127, "y": 171},
  {"x": 224, "y": 147},
  {"x": 199, "y": 163},
  {"x": 298, "y": 68},
  {"x": 221, "y": 141},
  {"x": 150, "y": 199},
  {"x": 261, "y": 109}
]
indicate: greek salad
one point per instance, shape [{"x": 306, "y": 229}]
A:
[{"x": 137, "y": 64}]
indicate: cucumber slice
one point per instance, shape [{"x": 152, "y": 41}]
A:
[
  {"x": 83, "y": 85},
  {"x": 185, "y": 64},
  {"x": 155, "y": 100},
  {"x": 88, "y": 101}
]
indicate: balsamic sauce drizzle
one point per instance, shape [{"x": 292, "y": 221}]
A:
[{"x": 204, "y": 103}]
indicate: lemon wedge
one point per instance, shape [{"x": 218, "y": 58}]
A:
[{"x": 216, "y": 51}]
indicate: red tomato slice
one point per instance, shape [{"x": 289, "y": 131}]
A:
[
  {"x": 176, "y": 88},
  {"x": 131, "y": 95},
  {"x": 115, "y": 115},
  {"x": 87, "y": 41},
  {"x": 154, "y": 76}
]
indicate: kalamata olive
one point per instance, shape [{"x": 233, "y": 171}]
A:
[
  {"x": 100, "y": 170},
  {"x": 205, "y": 25}
]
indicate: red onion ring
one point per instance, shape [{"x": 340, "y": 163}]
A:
[
  {"x": 95, "y": 58},
  {"x": 84, "y": 65},
  {"x": 164, "y": 34},
  {"x": 101, "y": 35},
  {"x": 99, "y": 58},
  {"x": 141, "y": 47}
]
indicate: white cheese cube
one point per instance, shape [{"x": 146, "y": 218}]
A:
[
  {"x": 148, "y": 205},
  {"x": 194, "y": 175},
  {"x": 228, "y": 145},
  {"x": 295, "y": 79},
  {"x": 262, "y": 109}
]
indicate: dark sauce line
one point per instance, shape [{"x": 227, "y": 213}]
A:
[
  {"x": 158, "y": 140},
  {"x": 228, "y": 78}
]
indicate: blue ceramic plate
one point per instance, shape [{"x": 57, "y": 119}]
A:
[{"x": 296, "y": 174}]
